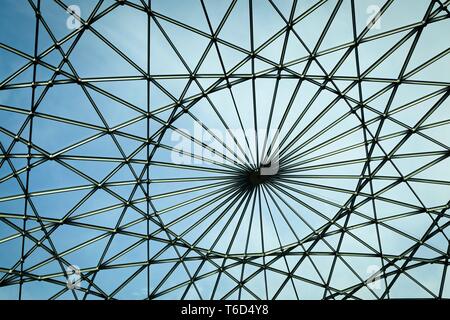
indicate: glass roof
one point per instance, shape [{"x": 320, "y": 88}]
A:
[{"x": 235, "y": 149}]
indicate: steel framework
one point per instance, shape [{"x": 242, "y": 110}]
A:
[{"x": 363, "y": 175}]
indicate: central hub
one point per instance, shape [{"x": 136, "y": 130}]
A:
[{"x": 256, "y": 178}]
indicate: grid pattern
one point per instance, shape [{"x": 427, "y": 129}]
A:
[{"x": 358, "y": 208}]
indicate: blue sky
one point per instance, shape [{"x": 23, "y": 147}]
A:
[{"x": 283, "y": 219}]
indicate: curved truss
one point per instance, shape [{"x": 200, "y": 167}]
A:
[{"x": 358, "y": 208}]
